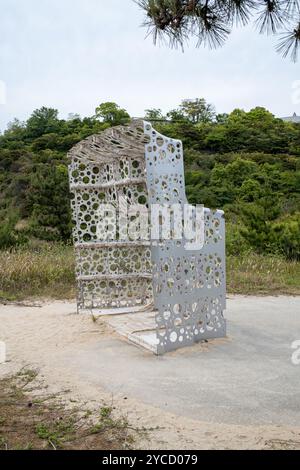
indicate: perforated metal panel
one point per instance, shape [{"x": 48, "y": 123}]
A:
[
  {"x": 105, "y": 169},
  {"x": 188, "y": 286}
]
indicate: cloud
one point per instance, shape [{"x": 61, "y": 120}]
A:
[{"x": 74, "y": 54}]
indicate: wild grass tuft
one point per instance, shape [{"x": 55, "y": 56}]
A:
[{"x": 45, "y": 270}]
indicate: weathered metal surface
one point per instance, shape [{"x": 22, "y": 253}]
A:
[
  {"x": 105, "y": 168},
  {"x": 189, "y": 286},
  {"x": 137, "y": 165}
]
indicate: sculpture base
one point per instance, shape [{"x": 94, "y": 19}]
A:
[{"x": 139, "y": 328}]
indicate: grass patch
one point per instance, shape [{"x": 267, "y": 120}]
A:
[
  {"x": 41, "y": 270},
  {"x": 32, "y": 421},
  {"x": 45, "y": 270},
  {"x": 282, "y": 444},
  {"x": 259, "y": 274}
]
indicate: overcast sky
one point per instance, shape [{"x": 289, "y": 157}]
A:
[{"x": 75, "y": 54}]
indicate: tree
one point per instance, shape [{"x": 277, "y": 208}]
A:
[
  {"x": 9, "y": 236},
  {"x": 15, "y": 132},
  {"x": 258, "y": 218},
  {"x": 221, "y": 118},
  {"x": 49, "y": 200},
  {"x": 197, "y": 110},
  {"x": 15, "y": 126},
  {"x": 42, "y": 121},
  {"x": 250, "y": 190},
  {"x": 258, "y": 131},
  {"x": 287, "y": 236},
  {"x": 73, "y": 117},
  {"x": 112, "y": 114},
  {"x": 211, "y": 21},
  {"x": 154, "y": 114}
]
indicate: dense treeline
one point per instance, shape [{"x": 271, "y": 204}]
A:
[{"x": 247, "y": 163}]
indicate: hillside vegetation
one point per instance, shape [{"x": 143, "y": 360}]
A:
[
  {"x": 47, "y": 270},
  {"x": 246, "y": 163}
]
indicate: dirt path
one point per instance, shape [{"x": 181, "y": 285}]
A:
[{"x": 74, "y": 353}]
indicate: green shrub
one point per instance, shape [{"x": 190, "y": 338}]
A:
[
  {"x": 9, "y": 237},
  {"x": 286, "y": 235}
]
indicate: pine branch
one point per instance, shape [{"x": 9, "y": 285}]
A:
[{"x": 211, "y": 21}]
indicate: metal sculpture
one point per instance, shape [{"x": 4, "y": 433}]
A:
[
  {"x": 189, "y": 285},
  {"x": 111, "y": 273},
  {"x": 136, "y": 166}
]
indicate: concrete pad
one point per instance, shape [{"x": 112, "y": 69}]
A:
[
  {"x": 247, "y": 378},
  {"x": 138, "y": 328}
]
